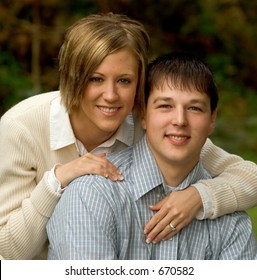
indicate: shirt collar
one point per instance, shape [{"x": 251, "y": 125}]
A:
[
  {"x": 124, "y": 134},
  {"x": 150, "y": 176},
  {"x": 61, "y": 133}
]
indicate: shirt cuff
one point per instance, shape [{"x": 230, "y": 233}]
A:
[
  {"x": 206, "y": 196},
  {"x": 53, "y": 181}
]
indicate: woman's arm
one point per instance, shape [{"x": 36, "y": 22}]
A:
[
  {"x": 234, "y": 184},
  {"x": 27, "y": 199},
  {"x": 25, "y": 204}
]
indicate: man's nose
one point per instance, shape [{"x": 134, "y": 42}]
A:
[{"x": 179, "y": 117}]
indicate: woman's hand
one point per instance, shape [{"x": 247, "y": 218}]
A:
[
  {"x": 175, "y": 211},
  {"x": 87, "y": 164}
]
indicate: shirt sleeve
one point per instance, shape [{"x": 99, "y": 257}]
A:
[
  {"x": 54, "y": 182},
  {"x": 234, "y": 184},
  {"x": 82, "y": 226},
  {"x": 238, "y": 241}
]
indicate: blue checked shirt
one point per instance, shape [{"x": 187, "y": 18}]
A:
[{"x": 100, "y": 219}]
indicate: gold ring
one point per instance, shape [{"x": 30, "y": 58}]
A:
[{"x": 172, "y": 227}]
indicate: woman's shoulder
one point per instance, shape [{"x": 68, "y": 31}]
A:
[{"x": 31, "y": 104}]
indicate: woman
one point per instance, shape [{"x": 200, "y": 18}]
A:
[{"x": 48, "y": 140}]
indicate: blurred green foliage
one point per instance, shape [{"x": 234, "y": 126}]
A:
[
  {"x": 14, "y": 84},
  {"x": 223, "y": 32}
]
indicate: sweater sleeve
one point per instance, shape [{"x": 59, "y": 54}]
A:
[
  {"x": 26, "y": 199},
  {"x": 234, "y": 183}
]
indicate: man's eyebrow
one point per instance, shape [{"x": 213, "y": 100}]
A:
[
  {"x": 199, "y": 101},
  {"x": 170, "y": 99},
  {"x": 162, "y": 99}
]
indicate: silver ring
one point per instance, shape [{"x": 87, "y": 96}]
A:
[{"x": 172, "y": 227}]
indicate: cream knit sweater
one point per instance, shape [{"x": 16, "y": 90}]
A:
[{"x": 27, "y": 201}]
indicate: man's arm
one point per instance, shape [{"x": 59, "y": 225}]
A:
[
  {"x": 238, "y": 241},
  {"x": 234, "y": 187},
  {"x": 82, "y": 225}
]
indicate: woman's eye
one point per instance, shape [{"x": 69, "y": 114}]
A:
[
  {"x": 124, "y": 81},
  {"x": 96, "y": 79}
]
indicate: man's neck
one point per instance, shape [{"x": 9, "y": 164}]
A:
[{"x": 175, "y": 174}]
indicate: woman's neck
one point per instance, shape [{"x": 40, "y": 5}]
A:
[{"x": 87, "y": 135}]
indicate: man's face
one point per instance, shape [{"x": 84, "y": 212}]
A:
[{"x": 177, "y": 124}]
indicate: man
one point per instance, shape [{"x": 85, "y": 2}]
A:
[{"x": 100, "y": 219}]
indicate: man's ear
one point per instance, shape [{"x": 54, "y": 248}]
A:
[{"x": 213, "y": 120}]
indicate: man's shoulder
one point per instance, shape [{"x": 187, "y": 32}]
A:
[
  {"x": 91, "y": 183},
  {"x": 232, "y": 221},
  {"x": 97, "y": 191},
  {"x": 121, "y": 158},
  {"x": 92, "y": 187}
]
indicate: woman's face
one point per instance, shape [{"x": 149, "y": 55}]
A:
[{"x": 110, "y": 93}]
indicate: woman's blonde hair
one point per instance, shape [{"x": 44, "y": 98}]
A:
[{"x": 88, "y": 42}]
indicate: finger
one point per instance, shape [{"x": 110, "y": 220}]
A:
[
  {"x": 113, "y": 174},
  {"x": 155, "y": 220},
  {"x": 158, "y": 205},
  {"x": 99, "y": 165},
  {"x": 111, "y": 171},
  {"x": 101, "y": 155},
  {"x": 161, "y": 230},
  {"x": 166, "y": 234},
  {"x": 98, "y": 158}
]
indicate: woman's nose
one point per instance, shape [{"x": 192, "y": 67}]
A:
[{"x": 110, "y": 92}]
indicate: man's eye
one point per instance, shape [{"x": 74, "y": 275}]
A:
[
  {"x": 165, "y": 106},
  {"x": 194, "y": 108}
]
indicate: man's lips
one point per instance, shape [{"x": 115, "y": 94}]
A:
[{"x": 177, "y": 139}]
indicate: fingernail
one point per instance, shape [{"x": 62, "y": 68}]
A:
[
  {"x": 120, "y": 177},
  {"x": 148, "y": 241}
]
